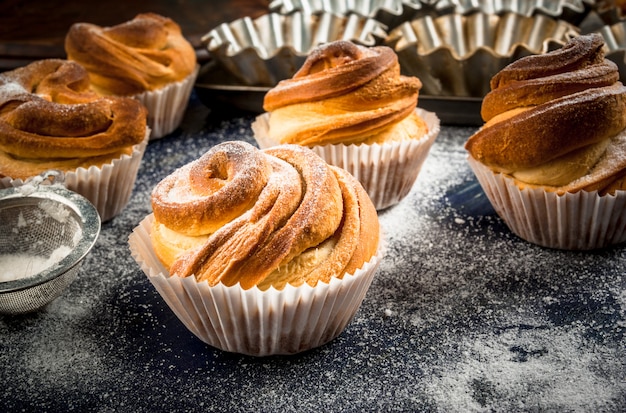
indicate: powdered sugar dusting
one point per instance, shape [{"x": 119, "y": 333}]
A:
[
  {"x": 16, "y": 266},
  {"x": 55, "y": 210},
  {"x": 515, "y": 362},
  {"x": 462, "y": 316},
  {"x": 10, "y": 90}
]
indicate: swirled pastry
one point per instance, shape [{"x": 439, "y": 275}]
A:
[
  {"x": 345, "y": 93},
  {"x": 266, "y": 218},
  {"x": 145, "y": 53},
  {"x": 557, "y": 120},
  {"x": 50, "y": 119}
]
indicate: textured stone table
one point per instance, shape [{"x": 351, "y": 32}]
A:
[{"x": 461, "y": 316}]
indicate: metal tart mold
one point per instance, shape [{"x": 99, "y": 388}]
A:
[
  {"x": 457, "y": 55},
  {"x": 272, "y": 47}
]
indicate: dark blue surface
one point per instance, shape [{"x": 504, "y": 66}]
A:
[{"x": 462, "y": 316}]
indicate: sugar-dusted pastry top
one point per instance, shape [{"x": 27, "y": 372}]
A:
[
  {"x": 556, "y": 120},
  {"x": 266, "y": 218},
  {"x": 50, "y": 119},
  {"x": 345, "y": 93},
  {"x": 145, "y": 53}
]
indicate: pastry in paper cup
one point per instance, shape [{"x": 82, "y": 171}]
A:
[
  {"x": 252, "y": 321},
  {"x": 570, "y": 221},
  {"x": 147, "y": 58},
  {"x": 387, "y": 170},
  {"x": 551, "y": 156},
  {"x": 352, "y": 106},
  {"x": 260, "y": 251},
  {"x": 56, "y": 122}
]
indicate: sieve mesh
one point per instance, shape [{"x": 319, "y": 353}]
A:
[
  {"x": 28, "y": 228},
  {"x": 33, "y": 298},
  {"x": 53, "y": 221}
]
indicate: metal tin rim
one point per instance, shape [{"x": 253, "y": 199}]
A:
[{"x": 90, "y": 224}]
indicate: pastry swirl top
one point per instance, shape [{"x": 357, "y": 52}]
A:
[
  {"x": 145, "y": 53},
  {"x": 343, "y": 93},
  {"x": 49, "y": 114},
  {"x": 537, "y": 79},
  {"x": 265, "y": 218},
  {"x": 552, "y": 112}
]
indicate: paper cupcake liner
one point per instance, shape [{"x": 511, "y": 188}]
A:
[
  {"x": 108, "y": 187},
  {"x": 255, "y": 322},
  {"x": 166, "y": 106},
  {"x": 572, "y": 221},
  {"x": 386, "y": 171}
]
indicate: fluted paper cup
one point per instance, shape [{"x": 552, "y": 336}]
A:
[
  {"x": 108, "y": 187},
  {"x": 571, "y": 221},
  {"x": 166, "y": 106},
  {"x": 387, "y": 171},
  {"x": 252, "y": 321}
]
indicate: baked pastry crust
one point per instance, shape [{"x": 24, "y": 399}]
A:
[
  {"x": 550, "y": 119},
  {"x": 344, "y": 93},
  {"x": 297, "y": 219},
  {"x": 50, "y": 119},
  {"x": 145, "y": 53}
]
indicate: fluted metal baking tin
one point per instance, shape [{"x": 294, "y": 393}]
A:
[
  {"x": 272, "y": 47},
  {"x": 457, "y": 55},
  {"x": 607, "y": 13},
  {"x": 389, "y": 12},
  {"x": 571, "y": 11},
  {"x": 395, "y": 12}
]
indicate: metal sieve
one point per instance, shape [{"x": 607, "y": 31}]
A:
[{"x": 37, "y": 222}]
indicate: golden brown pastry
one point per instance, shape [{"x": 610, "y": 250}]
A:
[
  {"x": 267, "y": 218},
  {"x": 345, "y": 93},
  {"x": 557, "y": 120},
  {"x": 50, "y": 119},
  {"x": 145, "y": 53}
]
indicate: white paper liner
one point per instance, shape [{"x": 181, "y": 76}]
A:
[
  {"x": 386, "y": 171},
  {"x": 166, "y": 106},
  {"x": 573, "y": 221},
  {"x": 255, "y": 322},
  {"x": 108, "y": 187}
]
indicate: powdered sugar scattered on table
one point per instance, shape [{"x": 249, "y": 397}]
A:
[{"x": 462, "y": 316}]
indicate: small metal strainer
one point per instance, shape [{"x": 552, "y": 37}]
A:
[{"x": 46, "y": 224}]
